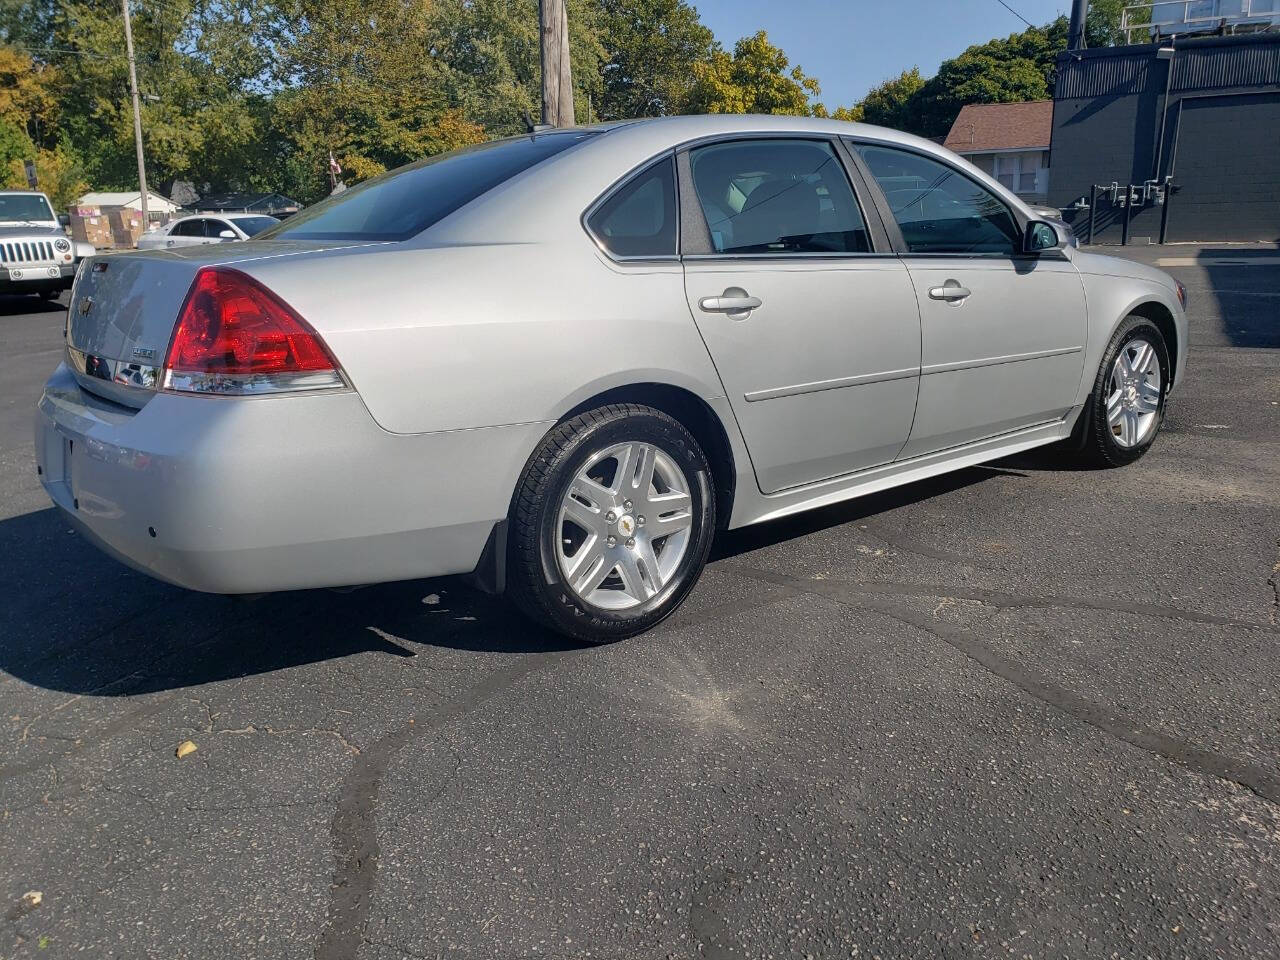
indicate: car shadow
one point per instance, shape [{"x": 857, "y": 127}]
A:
[
  {"x": 734, "y": 543},
  {"x": 78, "y": 621},
  {"x": 12, "y": 305}
]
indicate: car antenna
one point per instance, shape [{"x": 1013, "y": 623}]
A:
[{"x": 531, "y": 127}]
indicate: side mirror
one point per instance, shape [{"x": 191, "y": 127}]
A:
[
  {"x": 227, "y": 235},
  {"x": 1041, "y": 236},
  {"x": 64, "y": 220}
]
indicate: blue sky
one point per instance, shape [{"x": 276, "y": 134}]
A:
[{"x": 851, "y": 45}]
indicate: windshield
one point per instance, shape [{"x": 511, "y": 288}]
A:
[
  {"x": 252, "y": 226},
  {"x": 404, "y": 202},
  {"x": 16, "y": 207}
]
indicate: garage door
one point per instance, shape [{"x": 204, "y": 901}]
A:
[{"x": 1227, "y": 166}]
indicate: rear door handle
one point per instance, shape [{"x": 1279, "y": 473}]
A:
[
  {"x": 950, "y": 291},
  {"x": 735, "y": 302}
]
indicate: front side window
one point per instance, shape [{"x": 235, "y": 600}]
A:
[
  {"x": 639, "y": 219},
  {"x": 404, "y": 202},
  {"x": 214, "y": 228},
  {"x": 777, "y": 196},
  {"x": 937, "y": 208}
]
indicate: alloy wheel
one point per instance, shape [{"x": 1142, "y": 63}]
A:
[
  {"x": 624, "y": 526},
  {"x": 1133, "y": 394}
]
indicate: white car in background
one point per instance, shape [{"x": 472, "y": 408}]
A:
[{"x": 206, "y": 228}]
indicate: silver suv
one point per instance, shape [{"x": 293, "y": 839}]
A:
[{"x": 36, "y": 255}]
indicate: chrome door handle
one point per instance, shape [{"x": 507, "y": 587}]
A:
[
  {"x": 950, "y": 291},
  {"x": 733, "y": 301},
  {"x": 728, "y": 304}
]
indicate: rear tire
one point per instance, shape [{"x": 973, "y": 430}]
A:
[
  {"x": 611, "y": 523},
  {"x": 1126, "y": 407}
]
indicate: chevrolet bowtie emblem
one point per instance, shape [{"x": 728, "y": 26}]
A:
[{"x": 86, "y": 304}]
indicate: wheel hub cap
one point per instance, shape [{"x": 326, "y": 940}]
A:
[
  {"x": 1133, "y": 394},
  {"x": 624, "y": 527}
]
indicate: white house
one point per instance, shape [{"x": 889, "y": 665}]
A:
[
  {"x": 156, "y": 204},
  {"x": 1010, "y": 141}
]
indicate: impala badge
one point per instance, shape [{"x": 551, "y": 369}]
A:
[{"x": 86, "y": 304}]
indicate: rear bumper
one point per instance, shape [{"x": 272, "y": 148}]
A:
[
  {"x": 247, "y": 495},
  {"x": 66, "y": 275}
]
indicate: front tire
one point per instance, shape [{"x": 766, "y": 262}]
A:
[
  {"x": 611, "y": 523},
  {"x": 1126, "y": 408},
  {"x": 50, "y": 294}
]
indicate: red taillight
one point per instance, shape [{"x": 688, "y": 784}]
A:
[{"x": 236, "y": 336}]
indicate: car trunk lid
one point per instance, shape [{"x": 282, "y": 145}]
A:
[{"x": 124, "y": 307}]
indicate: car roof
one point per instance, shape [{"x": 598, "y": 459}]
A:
[
  {"x": 220, "y": 215},
  {"x": 568, "y": 183},
  {"x": 679, "y": 129}
]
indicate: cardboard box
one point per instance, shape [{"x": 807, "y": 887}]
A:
[
  {"x": 92, "y": 229},
  {"x": 124, "y": 218},
  {"x": 125, "y": 239},
  {"x": 84, "y": 210}
]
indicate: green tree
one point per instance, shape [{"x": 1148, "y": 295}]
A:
[
  {"x": 1102, "y": 25},
  {"x": 754, "y": 79},
  {"x": 491, "y": 52},
  {"x": 201, "y": 69},
  {"x": 891, "y": 103},
  {"x": 651, "y": 48},
  {"x": 850, "y": 114},
  {"x": 1004, "y": 70}
]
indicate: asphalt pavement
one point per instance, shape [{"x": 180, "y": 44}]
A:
[{"x": 1017, "y": 711}]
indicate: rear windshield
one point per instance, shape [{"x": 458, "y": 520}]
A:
[
  {"x": 404, "y": 202},
  {"x": 252, "y": 226}
]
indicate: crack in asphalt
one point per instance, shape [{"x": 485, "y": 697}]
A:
[
  {"x": 1263, "y": 783},
  {"x": 1274, "y": 583},
  {"x": 1013, "y": 601},
  {"x": 354, "y": 828}
]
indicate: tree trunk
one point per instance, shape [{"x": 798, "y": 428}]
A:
[{"x": 557, "y": 76}]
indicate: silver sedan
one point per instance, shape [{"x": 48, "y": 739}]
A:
[
  {"x": 206, "y": 228},
  {"x": 562, "y": 362}
]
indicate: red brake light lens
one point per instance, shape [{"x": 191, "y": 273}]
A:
[{"x": 236, "y": 336}]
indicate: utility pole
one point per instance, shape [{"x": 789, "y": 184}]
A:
[
  {"x": 137, "y": 114},
  {"x": 557, "y": 75}
]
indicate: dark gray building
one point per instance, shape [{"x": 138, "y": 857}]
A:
[
  {"x": 1201, "y": 110},
  {"x": 274, "y": 204}
]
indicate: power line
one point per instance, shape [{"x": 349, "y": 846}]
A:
[{"x": 1016, "y": 14}]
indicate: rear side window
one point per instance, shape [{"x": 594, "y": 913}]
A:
[
  {"x": 404, "y": 202},
  {"x": 777, "y": 196},
  {"x": 188, "y": 228},
  {"x": 639, "y": 219},
  {"x": 939, "y": 209}
]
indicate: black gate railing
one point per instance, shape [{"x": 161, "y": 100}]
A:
[{"x": 1125, "y": 201}]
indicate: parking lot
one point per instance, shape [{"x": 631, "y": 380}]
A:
[{"x": 1019, "y": 710}]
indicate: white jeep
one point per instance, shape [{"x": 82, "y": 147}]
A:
[{"x": 36, "y": 255}]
